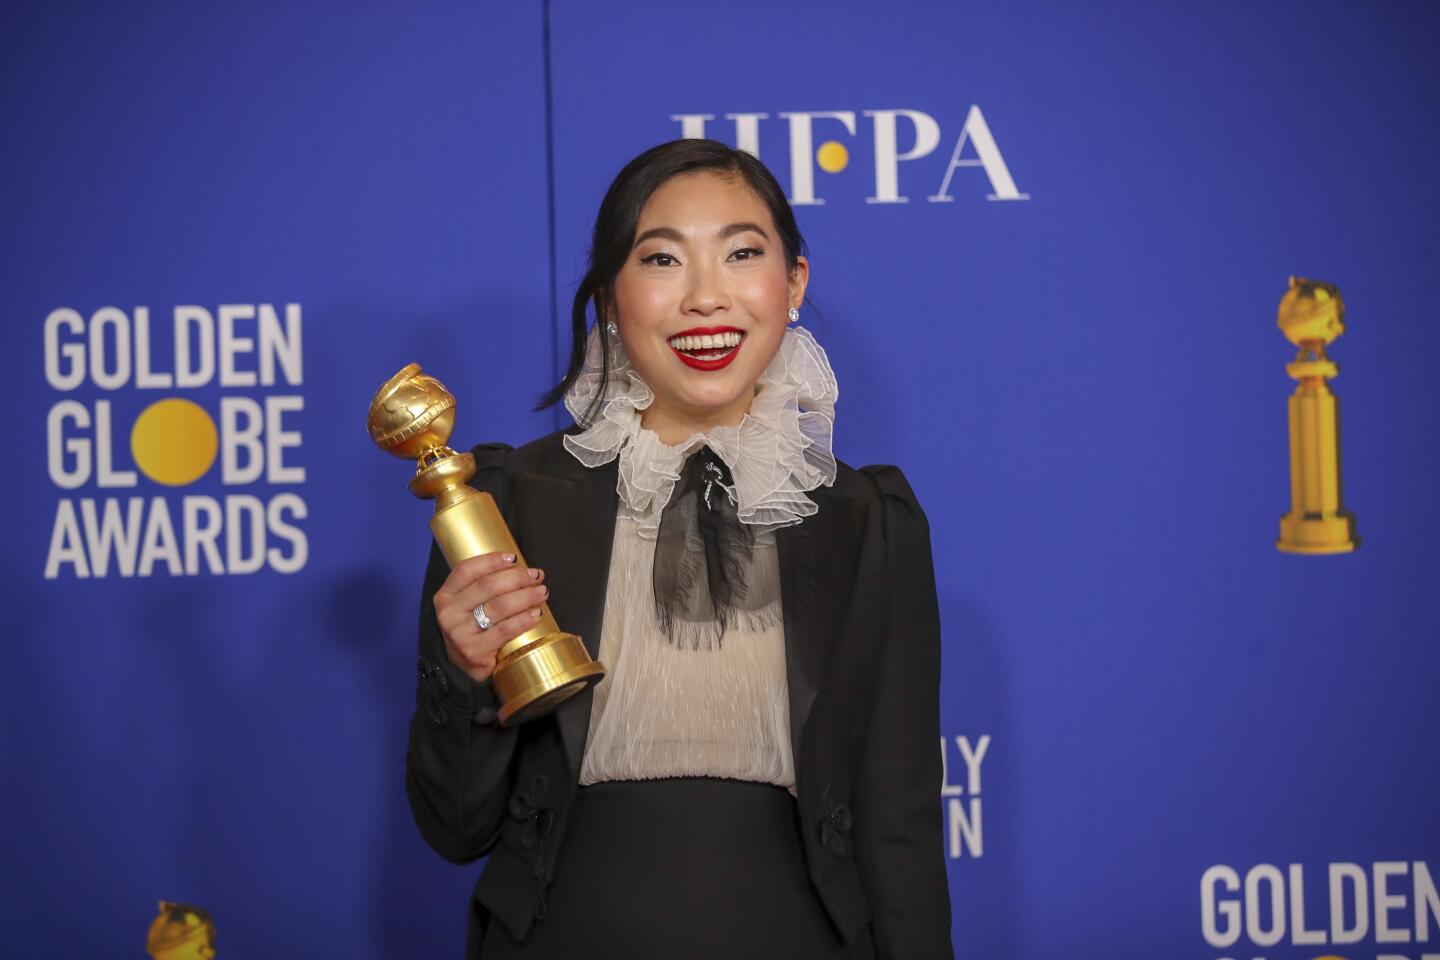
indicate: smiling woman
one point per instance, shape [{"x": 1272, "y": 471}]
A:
[
  {"x": 756, "y": 774},
  {"x": 696, "y": 273}
]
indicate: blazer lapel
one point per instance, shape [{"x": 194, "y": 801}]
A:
[
  {"x": 566, "y": 526},
  {"x": 815, "y": 594}
]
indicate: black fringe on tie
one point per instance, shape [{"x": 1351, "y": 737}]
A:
[{"x": 703, "y": 556}]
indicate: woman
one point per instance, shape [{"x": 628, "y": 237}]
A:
[{"x": 757, "y": 774}]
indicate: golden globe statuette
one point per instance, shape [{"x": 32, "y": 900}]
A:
[
  {"x": 412, "y": 416},
  {"x": 1312, "y": 314},
  {"x": 181, "y": 932}
]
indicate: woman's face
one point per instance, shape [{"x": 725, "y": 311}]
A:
[{"x": 707, "y": 262}]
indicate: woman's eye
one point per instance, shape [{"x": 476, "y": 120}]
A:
[
  {"x": 746, "y": 253},
  {"x": 659, "y": 259}
]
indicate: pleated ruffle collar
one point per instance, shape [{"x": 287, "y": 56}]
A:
[{"x": 778, "y": 452}]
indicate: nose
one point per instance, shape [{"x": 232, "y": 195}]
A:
[{"x": 705, "y": 292}]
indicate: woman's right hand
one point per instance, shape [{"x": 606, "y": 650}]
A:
[{"x": 512, "y": 596}]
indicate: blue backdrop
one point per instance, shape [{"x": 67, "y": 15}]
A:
[{"x": 1047, "y": 243}]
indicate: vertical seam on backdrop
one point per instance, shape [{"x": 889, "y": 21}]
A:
[{"x": 550, "y": 206}]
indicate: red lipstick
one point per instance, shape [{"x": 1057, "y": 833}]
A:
[{"x": 712, "y": 362}]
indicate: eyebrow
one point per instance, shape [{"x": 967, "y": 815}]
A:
[{"x": 670, "y": 233}]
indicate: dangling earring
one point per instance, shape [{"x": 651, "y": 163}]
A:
[
  {"x": 610, "y": 327},
  {"x": 794, "y": 314}
]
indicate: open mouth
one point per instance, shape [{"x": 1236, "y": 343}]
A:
[{"x": 707, "y": 347}]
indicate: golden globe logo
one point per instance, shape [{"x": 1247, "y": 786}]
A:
[
  {"x": 1389, "y": 910},
  {"x": 173, "y": 442}
]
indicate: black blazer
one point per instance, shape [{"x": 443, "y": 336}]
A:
[{"x": 862, "y": 658}]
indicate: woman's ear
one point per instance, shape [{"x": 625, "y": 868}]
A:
[{"x": 799, "y": 280}]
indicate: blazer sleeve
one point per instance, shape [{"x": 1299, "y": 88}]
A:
[
  {"x": 458, "y": 769},
  {"x": 900, "y": 834}
]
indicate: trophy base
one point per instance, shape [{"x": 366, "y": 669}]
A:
[
  {"x": 537, "y": 678},
  {"x": 1317, "y": 533}
]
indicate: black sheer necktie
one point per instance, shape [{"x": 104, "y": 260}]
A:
[{"x": 704, "y": 573}]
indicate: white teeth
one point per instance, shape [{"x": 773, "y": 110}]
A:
[{"x": 717, "y": 341}]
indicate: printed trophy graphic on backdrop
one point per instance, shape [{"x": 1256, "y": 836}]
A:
[
  {"x": 412, "y": 416},
  {"x": 1312, "y": 314},
  {"x": 181, "y": 932}
]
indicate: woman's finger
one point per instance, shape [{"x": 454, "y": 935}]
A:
[
  {"x": 492, "y": 586},
  {"x": 456, "y": 616},
  {"x": 475, "y": 651},
  {"x": 512, "y": 602},
  {"x": 469, "y": 570}
]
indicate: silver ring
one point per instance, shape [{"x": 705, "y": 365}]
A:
[{"x": 481, "y": 620}]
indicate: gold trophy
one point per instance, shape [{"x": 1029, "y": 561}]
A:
[
  {"x": 181, "y": 932},
  {"x": 412, "y": 416},
  {"x": 1312, "y": 314}
]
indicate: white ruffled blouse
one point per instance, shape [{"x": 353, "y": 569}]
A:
[{"x": 666, "y": 709}]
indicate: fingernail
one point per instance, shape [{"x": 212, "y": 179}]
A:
[
  {"x": 535, "y": 614},
  {"x": 544, "y": 590},
  {"x": 509, "y": 558},
  {"x": 534, "y": 574}
]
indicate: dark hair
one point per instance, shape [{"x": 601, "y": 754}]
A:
[{"x": 615, "y": 234}]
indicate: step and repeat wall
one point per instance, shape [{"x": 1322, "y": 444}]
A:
[{"x": 1048, "y": 242}]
